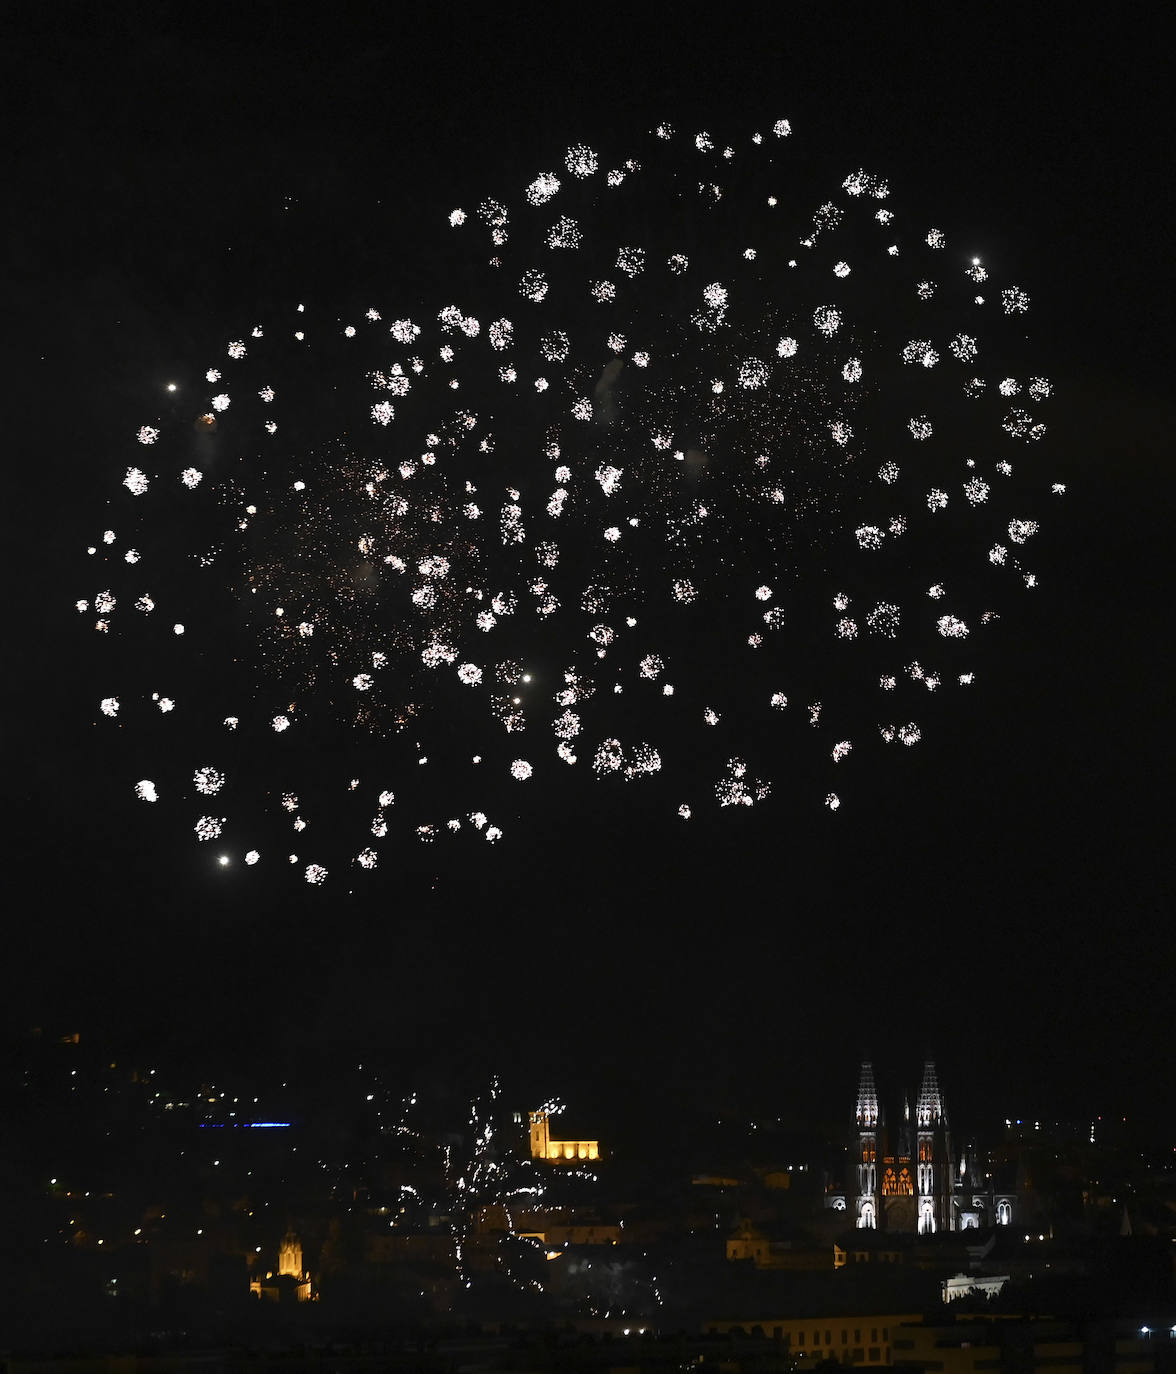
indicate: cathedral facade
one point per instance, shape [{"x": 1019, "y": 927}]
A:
[
  {"x": 908, "y": 1177},
  {"x": 904, "y": 1175}
]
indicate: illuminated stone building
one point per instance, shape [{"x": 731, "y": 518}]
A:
[
  {"x": 748, "y": 1242},
  {"x": 558, "y": 1151},
  {"x": 291, "y": 1283},
  {"x": 290, "y": 1256},
  {"x": 905, "y": 1177},
  {"x": 908, "y": 1178}
]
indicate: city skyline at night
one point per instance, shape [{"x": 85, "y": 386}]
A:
[{"x": 680, "y": 920}]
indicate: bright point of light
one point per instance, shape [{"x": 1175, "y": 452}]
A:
[
  {"x": 171, "y": 386},
  {"x": 224, "y": 859}
]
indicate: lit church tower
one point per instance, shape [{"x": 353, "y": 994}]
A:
[
  {"x": 935, "y": 1178},
  {"x": 290, "y": 1255},
  {"x": 558, "y": 1151},
  {"x": 867, "y": 1169}
]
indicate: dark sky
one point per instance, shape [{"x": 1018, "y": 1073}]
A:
[{"x": 1007, "y": 906}]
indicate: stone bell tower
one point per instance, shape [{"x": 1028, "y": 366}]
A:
[
  {"x": 934, "y": 1172},
  {"x": 867, "y": 1154}
]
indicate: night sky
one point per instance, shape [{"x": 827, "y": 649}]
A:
[{"x": 1002, "y": 902}]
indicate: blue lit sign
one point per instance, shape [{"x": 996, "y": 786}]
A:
[{"x": 220, "y": 1125}]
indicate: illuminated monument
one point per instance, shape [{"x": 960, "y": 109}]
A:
[
  {"x": 904, "y": 1178},
  {"x": 558, "y": 1151},
  {"x": 909, "y": 1179},
  {"x": 291, "y": 1283},
  {"x": 290, "y": 1256}
]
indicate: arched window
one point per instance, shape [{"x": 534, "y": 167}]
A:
[{"x": 1004, "y": 1213}]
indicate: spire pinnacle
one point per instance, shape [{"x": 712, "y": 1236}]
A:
[
  {"x": 867, "y": 1098},
  {"x": 929, "y": 1109}
]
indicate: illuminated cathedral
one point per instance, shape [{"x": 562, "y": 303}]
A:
[
  {"x": 904, "y": 1177},
  {"x": 908, "y": 1177}
]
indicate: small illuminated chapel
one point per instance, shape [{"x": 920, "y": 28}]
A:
[
  {"x": 909, "y": 1178},
  {"x": 558, "y": 1151}
]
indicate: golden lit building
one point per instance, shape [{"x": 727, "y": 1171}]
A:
[
  {"x": 748, "y": 1242},
  {"x": 291, "y": 1282},
  {"x": 558, "y": 1151},
  {"x": 580, "y": 1233}
]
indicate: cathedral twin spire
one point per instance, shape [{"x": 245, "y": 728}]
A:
[
  {"x": 929, "y": 1109},
  {"x": 867, "y": 1098},
  {"x": 884, "y": 1171}
]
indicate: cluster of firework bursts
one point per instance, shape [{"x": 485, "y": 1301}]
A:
[
  {"x": 495, "y": 1203},
  {"x": 706, "y": 472}
]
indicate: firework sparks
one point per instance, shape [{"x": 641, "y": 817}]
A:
[{"x": 392, "y": 599}]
